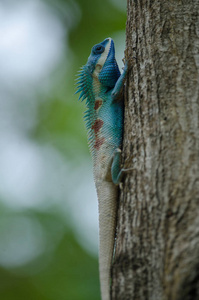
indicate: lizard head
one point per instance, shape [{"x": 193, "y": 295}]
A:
[
  {"x": 101, "y": 66},
  {"x": 102, "y": 63}
]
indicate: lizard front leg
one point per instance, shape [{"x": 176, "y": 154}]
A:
[{"x": 117, "y": 93}]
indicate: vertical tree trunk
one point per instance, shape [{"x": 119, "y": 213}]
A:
[{"x": 157, "y": 250}]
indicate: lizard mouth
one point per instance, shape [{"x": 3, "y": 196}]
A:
[
  {"x": 111, "y": 47},
  {"x": 111, "y": 50}
]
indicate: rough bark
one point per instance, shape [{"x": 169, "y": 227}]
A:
[{"x": 157, "y": 249}]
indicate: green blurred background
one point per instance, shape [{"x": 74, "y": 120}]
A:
[{"x": 48, "y": 204}]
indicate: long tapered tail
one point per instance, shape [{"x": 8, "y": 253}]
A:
[{"x": 107, "y": 201}]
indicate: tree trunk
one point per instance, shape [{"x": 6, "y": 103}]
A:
[{"x": 157, "y": 248}]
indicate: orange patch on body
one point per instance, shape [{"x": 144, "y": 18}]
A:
[
  {"x": 97, "y": 125},
  {"x": 99, "y": 142},
  {"x": 98, "y": 103}
]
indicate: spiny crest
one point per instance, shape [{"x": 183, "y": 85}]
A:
[
  {"x": 83, "y": 83},
  {"x": 91, "y": 141},
  {"x": 89, "y": 115},
  {"x": 84, "y": 87}
]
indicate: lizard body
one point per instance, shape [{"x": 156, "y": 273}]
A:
[{"x": 101, "y": 84}]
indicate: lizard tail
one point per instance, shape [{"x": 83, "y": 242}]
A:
[{"x": 107, "y": 195}]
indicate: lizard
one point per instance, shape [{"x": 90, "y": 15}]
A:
[{"x": 100, "y": 84}]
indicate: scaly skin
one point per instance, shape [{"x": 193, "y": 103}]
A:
[{"x": 101, "y": 84}]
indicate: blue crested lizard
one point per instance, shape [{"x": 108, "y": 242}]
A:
[{"x": 101, "y": 84}]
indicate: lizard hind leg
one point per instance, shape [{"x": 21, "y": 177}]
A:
[{"x": 116, "y": 171}]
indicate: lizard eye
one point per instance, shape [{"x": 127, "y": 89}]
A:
[{"x": 98, "y": 49}]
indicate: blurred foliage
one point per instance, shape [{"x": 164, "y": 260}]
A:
[
  {"x": 63, "y": 269},
  {"x": 71, "y": 274}
]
